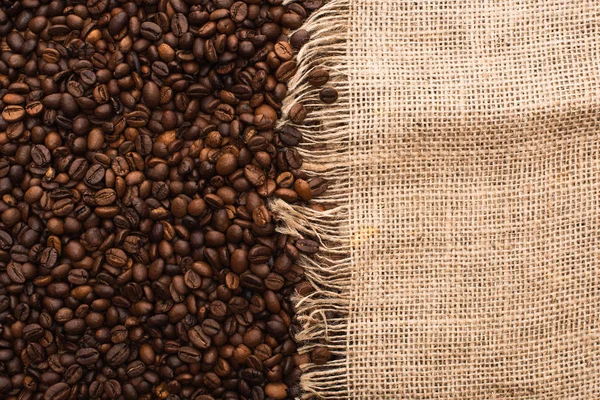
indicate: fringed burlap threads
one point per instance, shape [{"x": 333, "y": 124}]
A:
[
  {"x": 461, "y": 246},
  {"x": 325, "y": 152}
]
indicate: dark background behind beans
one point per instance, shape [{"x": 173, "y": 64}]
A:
[{"x": 138, "y": 259}]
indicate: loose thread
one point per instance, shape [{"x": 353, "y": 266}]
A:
[{"x": 323, "y": 314}]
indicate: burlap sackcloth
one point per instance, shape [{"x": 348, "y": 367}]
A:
[{"x": 462, "y": 252}]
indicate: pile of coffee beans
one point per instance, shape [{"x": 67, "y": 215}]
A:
[{"x": 138, "y": 150}]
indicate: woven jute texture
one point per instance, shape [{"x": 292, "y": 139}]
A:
[{"x": 461, "y": 248}]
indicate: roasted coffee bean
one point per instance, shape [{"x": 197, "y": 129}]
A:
[
  {"x": 58, "y": 391},
  {"x": 303, "y": 189},
  {"x": 189, "y": 354},
  {"x": 15, "y": 273},
  {"x": 328, "y": 95},
  {"x": 198, "y": 338},
  {"x": 307, "y": 246},
  {"x": 284, "y": 51},
  {"x": 318, "y": 186},
  {"x": 87, "y": 356},
  {"x": 299, "y": 38},
  {"x": 94, "y": 175},
  {"x": 277, "y": 390},
  {"x": 150, "y": 31},
  {"x": 286, "y": 71},
  {"x": 40, "y": 155},
  {"x": 290, "y": 136},
  {"x": 318, "y": 77},
  {"x": 298, "y": 113},
  {"x": 320, "y": 355},
  {"x": 105, "y": 197},
  {"x": 118, "y": 354}
]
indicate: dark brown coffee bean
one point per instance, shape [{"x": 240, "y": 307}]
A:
[
  {"x": 290, "y": 136},
  {"x": 15, "y": 273},
  {"x": 87, "y": 356},
  {"x": 298, "y": 113},
  {"x": 239, "y": 11},
  {"x": 210, "y": 327},
  {"x": 284, "y": 51},
  {"x": 318, "y": 186},
  {"x": 307, "y": 246},
  {"x": 259, "y": 254},
  {"x": 225, "y": 113},
  {"x": 226, "y": 164},
  {"x": 58, "y": 391},
  {"x": 151, "y": 95},
  {"x": 328, "y": 95},
  {"x": 192, "y": 279},
  {"x": 179, "y": 24},
  {"x": 105, "y": 197},
  {"x": 320, "y": 355},
  {"x": 33, "y": 332},
  {"x": 318, "y": 77},
  {"x": 189, "y": 355},
  {"x": 135, "y": 369},
  {"x": 40, "y": 155},
  {"x": 150, "y": 31},
  {"x": 118, "y": 354},
  {"x": 116, "y": 257},
  {"x": 254, "y": 175},
  {"x": 286, "y": 71},
  {"x": 94, "y": 175},
  {"x": 63, "y": 207},
  {"x": 299, "y": 38}
]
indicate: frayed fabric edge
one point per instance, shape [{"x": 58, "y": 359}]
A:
[{"x": 323, "y": 315}]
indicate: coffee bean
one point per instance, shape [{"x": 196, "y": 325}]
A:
[
  {"x": 116, "y": 257},
  {"x": 179, "y": 24},
  {"x": 299, "y": 38},
  {"x": 318, "y": 186},
  {"x": 118, "y": 354},
  {"x": 151, "y": 94},
  {"x": 87, "y": 356},
  {"x": 150, "y": 31},
  {"x": 286, "y": 71},
  {"x": 135, "y": 369},
  {"x": 58, "y": 391},
  {"x": 33, "y": 332},
  {"x": 303, "y": 189},
  {"x": 13, "y": 113},
  {"x": 192, "y": 279},
  {"x": 210, "y": 327},
  {"x": 298, "y": 113},
  {"x": 239, "y": 11},
  {"x": 189, "y": 354},
  {"x": 105, "y": 197},
  {"x": 291, "y": 20},
  {"x": 261, "y": 216},
  {"x": 94, "y": 175},
  {"x": 284, "y": 51},
  {"x": 254, "y": 175},
  {"x": 307, "y": 246},
  {"x": 320, "y": 355},
  {"x": 328, "y": 95},
  {"x": 318, "y": 77},
  {"x": 290, "y": 136}
]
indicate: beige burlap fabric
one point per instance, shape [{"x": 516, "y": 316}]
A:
[{"x": 462, "y": 254}]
